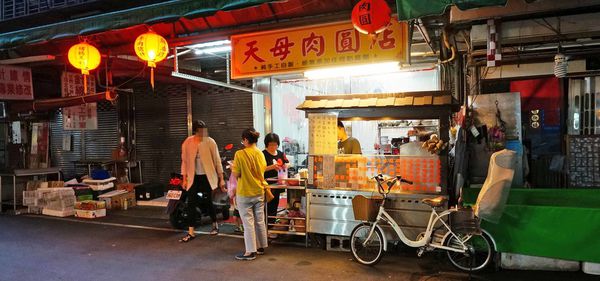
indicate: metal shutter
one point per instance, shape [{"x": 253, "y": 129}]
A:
[
  {"x": 161, "y": 127},
  {"x": 59, "y": 157},
  {"x": 98, "y": 143},
  {"x": 227, "y": 112}
]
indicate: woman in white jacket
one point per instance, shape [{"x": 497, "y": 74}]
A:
[{"x": 202, "y": 173}]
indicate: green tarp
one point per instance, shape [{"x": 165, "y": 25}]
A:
[
  {"x": 149, "y": 14},
  {"x": 554, "y": 223},
  {"x": 412, "y": 9}
]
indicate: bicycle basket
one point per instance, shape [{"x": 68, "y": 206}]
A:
[
  {"x": 366, "y": 209},
  {"x": 464, "y": 221}
]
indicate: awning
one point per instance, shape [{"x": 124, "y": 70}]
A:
[
  {"x": 412, "y": 9},
  {"x": 169, "y": 11}
]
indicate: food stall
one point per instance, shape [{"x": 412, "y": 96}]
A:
[{"x": 334, "y": 179}]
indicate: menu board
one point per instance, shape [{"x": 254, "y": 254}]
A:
[
  {"x": 15, "y": 83},
  {"x": 38, "y": 156},
  {"x": 322, "y": 133},
  {"x": 584, "y": 161},
  {"x": 79, "y": 117}
]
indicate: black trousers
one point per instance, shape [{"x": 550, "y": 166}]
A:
[
  {"x": 272, "y": 206},
  {"x": 201, "y": 185}
]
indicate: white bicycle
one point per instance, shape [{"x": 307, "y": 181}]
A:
[{"x": 470, "y": 250}]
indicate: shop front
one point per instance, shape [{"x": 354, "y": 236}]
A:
[{"x": 318, "y": 75}]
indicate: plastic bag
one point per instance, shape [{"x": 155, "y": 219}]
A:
[
  {"x": 281, "y": 175},
  {"x": 231, "y": 186}
]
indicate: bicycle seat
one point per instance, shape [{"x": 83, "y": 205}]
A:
[{"x": 434, "y": 201}]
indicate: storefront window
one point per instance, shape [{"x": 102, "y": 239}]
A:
[{"x": 292, "y": 125}]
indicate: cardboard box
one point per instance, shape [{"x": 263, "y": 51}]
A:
[
  {"x": 118, "y": 200},
  {"x": 55, "y": 213},
  {"x": 90, "y": 205},
  {"x": 130, "y": 187},
  {"x": 90, "y": 214}
]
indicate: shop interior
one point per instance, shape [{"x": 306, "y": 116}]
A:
[{"x": 376, "y": 136}]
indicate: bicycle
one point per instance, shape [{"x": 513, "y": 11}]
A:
[{"x": 468, "y": 251}]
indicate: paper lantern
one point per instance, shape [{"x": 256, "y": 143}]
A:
[
  {"x": 84, "y": 57},
  {"x": 152, "y": 48},
  {"x": 371, "y": 16}
]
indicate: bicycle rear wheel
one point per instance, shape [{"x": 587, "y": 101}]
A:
[
  {"x": 368, "y": 253},
  {"x": 478, "y": 256}
]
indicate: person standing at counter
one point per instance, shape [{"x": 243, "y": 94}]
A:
[
  {"x": 346, "y": 144},
  {"x": 202, "y": 173},
  {"x": 249, "y": 166},
  {"x": 276, "y": 162}
]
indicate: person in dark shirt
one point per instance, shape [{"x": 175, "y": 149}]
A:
[
  {"x": 346, "y": 144},
  {"x": 276, "y": 161}
]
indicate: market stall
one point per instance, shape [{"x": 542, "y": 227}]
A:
[{"x": 334, "y": 179}]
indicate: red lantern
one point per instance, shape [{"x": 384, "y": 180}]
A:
[{"x": 371, "y": 16}]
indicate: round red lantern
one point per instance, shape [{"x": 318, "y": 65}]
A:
[{"x": 371, "y": 16}]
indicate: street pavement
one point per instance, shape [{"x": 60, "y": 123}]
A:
[{"x": 43, "y": 248}]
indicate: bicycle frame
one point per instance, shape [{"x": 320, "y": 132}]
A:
[{"x": 383, "y": 216}]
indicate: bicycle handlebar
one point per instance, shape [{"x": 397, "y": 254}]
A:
[{"x": 390, "y": 182}]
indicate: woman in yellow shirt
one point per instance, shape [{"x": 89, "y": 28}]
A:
[{"x": 249, "y": 167}]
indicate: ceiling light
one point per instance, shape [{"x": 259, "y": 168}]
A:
[
  {"x": 211, "y": 44},
  {"x": 354, "y": 70},
  {"x": 213, "y": 50}
]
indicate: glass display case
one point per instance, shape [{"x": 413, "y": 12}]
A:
[{"x": 356, "y": 172}]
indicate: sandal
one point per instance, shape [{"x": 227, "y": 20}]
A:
[
  {"x": 214, "y": 231},
  {"x": 187, "y": 238}
]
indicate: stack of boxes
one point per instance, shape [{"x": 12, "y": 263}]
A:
[
  {"x": 90, "y": 209},
  {"x": 58, "y": 202},
  {"x": 51, "y": 198},
  {"x": 100, "y": 187}
]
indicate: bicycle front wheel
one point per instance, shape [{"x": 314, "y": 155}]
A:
[
  {"x": 366, "y": 252},
  {"x": 478, "y": 256}
]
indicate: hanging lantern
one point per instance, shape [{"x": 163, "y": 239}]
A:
[
  {"x": 371, "y": 16},
  {"x": 152, "y": 48},
  {"x": 85, "y": 57}
]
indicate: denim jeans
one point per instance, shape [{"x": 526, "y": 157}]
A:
[{"x": 252, "y": 212}]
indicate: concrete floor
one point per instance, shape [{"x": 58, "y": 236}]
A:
[{"x": 125, "y": 246}]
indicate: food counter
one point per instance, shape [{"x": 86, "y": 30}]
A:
[
  {"x": 334, "y": 179},
  {"x": 332, "y": 188}
]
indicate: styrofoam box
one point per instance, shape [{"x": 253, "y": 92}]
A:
[
  {"x": 523, "y": 262},
  {"x": 90, "y": 181},
  {"x": 62, "y": 214},
  {"x": 590, "y": 268},
  {"x": 90, "y": 214}
]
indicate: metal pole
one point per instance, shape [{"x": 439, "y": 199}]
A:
[
  {"x": 15, "y": 194},
  {"x": 0, "y": 195},
  {"x": 228, "y": 69},
  {"x": 189, "y": 108},
  {"x": 214, "y": 82}
]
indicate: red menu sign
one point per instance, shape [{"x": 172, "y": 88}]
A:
[{"x": 15, "y": 83}]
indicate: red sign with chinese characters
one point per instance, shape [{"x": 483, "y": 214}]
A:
[
  {"x": 80, "y": 117},
  {"x": 299, "y": 49},
  {"x": 15, "y": 83}
]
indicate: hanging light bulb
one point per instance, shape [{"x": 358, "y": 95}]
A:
[{"x": 560, "y": 65}]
